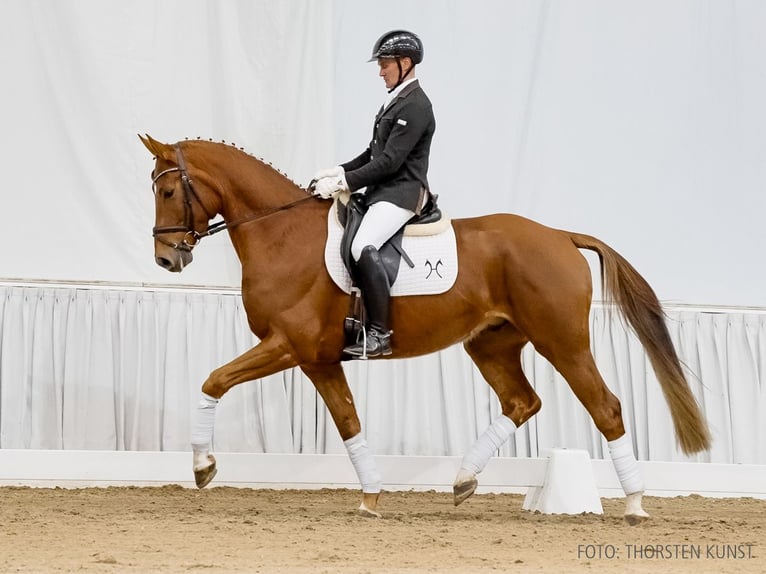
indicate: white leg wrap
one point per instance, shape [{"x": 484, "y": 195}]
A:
[
  {"x": 364, "y": 464},
  {"x": 204, "y": 422},
  {"x": 621, "y": 451},
  {"x": 487, "y": 445}
]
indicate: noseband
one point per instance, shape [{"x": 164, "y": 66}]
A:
[{"x": 191, "y": 236}]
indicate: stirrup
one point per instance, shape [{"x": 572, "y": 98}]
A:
[{"x": 372, "y": 344}]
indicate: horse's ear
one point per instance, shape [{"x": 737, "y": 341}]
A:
[{"x": 156, "y": 148}]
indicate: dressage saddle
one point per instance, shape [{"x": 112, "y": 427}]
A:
[{"x": 350, "y": 217}]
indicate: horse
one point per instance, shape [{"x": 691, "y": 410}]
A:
[{"x": 518, "y": 282}]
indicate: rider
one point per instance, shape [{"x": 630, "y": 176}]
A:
[{"x": 393, "y": 168}]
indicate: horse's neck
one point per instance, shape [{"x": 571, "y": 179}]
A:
[
  {"x": 267, "y": 220},
  {"x": 250, "y": 195},
  {"x": 256, "y": 189}
]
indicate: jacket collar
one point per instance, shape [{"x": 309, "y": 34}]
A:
[{"x": 408, "y": 89}]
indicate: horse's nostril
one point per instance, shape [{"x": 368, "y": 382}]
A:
[{"x": 164, "y": 263}]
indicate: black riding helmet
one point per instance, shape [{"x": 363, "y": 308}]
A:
[{"x": 398, "y": 44}]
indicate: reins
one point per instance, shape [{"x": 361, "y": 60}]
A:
[
  {"x": 192, "y": 237},
  {"x": 222, "y": 225}
]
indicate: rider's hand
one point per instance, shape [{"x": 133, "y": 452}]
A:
[
  {"x": 336, "y": 171},
  {"x": 329, "y": 187}
]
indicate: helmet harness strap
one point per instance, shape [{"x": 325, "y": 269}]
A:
[{"x": 401, "y": 75}]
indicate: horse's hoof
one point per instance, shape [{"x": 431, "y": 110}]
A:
[
  {"x": 464, "y": 490},
  {"x": 369, "y": 504},
  {"x": 636, "y": 518},
  {"x": 203, "y": 476},
  {"x": 367, "y": 513},
  {"x": 634, "y": 514}
]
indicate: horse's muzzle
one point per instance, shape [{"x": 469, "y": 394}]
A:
[{"x": 174, "y": 261}]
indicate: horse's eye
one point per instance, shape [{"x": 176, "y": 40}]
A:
[{"x": 168, "y": 193}]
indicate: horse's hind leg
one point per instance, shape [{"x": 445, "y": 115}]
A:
[
  {"x": 497, "y": 353},
  {"x": 330, "y": 382},
  {"x": 580, "y": 371}
]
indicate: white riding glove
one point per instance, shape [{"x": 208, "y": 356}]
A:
[
  {"x": 329, "y": 172},
  {"x": 329, "y": 187}
]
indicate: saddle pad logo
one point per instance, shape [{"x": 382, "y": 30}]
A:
[{"x": 434, "y": 256}]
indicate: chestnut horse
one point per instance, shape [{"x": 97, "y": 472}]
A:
[{"x": 518, "y": 282}]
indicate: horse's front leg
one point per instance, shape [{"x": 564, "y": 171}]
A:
[
  {"x": 268, "y": 357},
  {"x": 330, "y": 382}
]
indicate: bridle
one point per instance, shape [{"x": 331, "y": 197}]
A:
[{"x": 191, "y": 236}]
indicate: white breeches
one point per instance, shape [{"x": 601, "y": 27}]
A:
[{"x": 379, "y": 224}]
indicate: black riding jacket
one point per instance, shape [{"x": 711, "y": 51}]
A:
[{"x": 394, "y": 166}]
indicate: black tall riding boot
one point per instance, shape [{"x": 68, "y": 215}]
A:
[{"x": 376, "y": 293}]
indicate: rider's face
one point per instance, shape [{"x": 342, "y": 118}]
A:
[{"x": 389, "y": 71}]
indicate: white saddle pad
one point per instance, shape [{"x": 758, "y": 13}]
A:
[{"x": 434, "y": 256}]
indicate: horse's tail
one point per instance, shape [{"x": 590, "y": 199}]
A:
[{"x": 635, "y": 298}]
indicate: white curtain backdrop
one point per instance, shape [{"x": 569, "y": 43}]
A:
[
  {"x": 640, "y": 122},
  {"x": 121, "y": 370}
]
